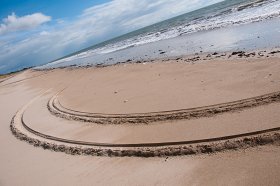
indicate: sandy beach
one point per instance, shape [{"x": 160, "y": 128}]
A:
[{"x": 208, "y": 119}]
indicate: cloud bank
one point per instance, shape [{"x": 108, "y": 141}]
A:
[
  {"x": 93, "y": 25},
  {"x": 13, "y": 23}
]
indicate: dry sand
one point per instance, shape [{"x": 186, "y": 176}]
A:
[
  {"x": 142, "y": 88},
  {"x": 169, "y": 86}
]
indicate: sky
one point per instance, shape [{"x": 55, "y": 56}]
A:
[{"x": 34, "y": 32}]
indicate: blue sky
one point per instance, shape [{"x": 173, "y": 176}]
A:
[
  {"x": 58, "y": 9},
  {"x": 34, "y": 32}
]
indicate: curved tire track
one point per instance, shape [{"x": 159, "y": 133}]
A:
[
  {"x": 21, "y": 80},
  {"x": 57, "y": 109},
  {"x": 7, "y": 78},
  {"x": 245, "y": 140}
]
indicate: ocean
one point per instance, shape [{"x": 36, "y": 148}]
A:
[{"x": 200, "y": 30}]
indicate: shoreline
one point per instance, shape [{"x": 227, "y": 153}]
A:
[
  {"x": 192, "y": 100},
  {"x": 196, "y": 57},
  {"x": 235, "y": 38}
]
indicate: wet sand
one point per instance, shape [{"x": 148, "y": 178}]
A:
[{"x": 143, "y": 88}]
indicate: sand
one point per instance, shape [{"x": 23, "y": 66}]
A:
[
  {"x": 141, "y": 89},
  {"x": 169, "y": 86}
]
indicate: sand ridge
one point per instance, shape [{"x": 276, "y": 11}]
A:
[
  {"x": 268, "y": 136},
  {"x": 23, "y": 131},
  {"x": 57, "y": 109}
]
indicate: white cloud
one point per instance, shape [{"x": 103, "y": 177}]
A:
[
  {"x": 136, "y": 14},
  {"x": 44, "y": 33},
  {"x": 13, "y": 23}
]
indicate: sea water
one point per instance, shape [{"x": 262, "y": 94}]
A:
[{"x": 225, "y": 26}]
